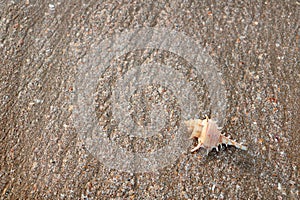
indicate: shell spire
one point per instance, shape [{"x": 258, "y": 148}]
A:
[{"x": 225, "y": 140}]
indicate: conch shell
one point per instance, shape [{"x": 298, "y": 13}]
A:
[{"x": 209, "y": 135}]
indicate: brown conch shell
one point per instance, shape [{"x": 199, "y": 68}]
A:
[{"x": 209, "y": 135}]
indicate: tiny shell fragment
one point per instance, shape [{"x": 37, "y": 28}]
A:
[{"x": 209, "y": 135}]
